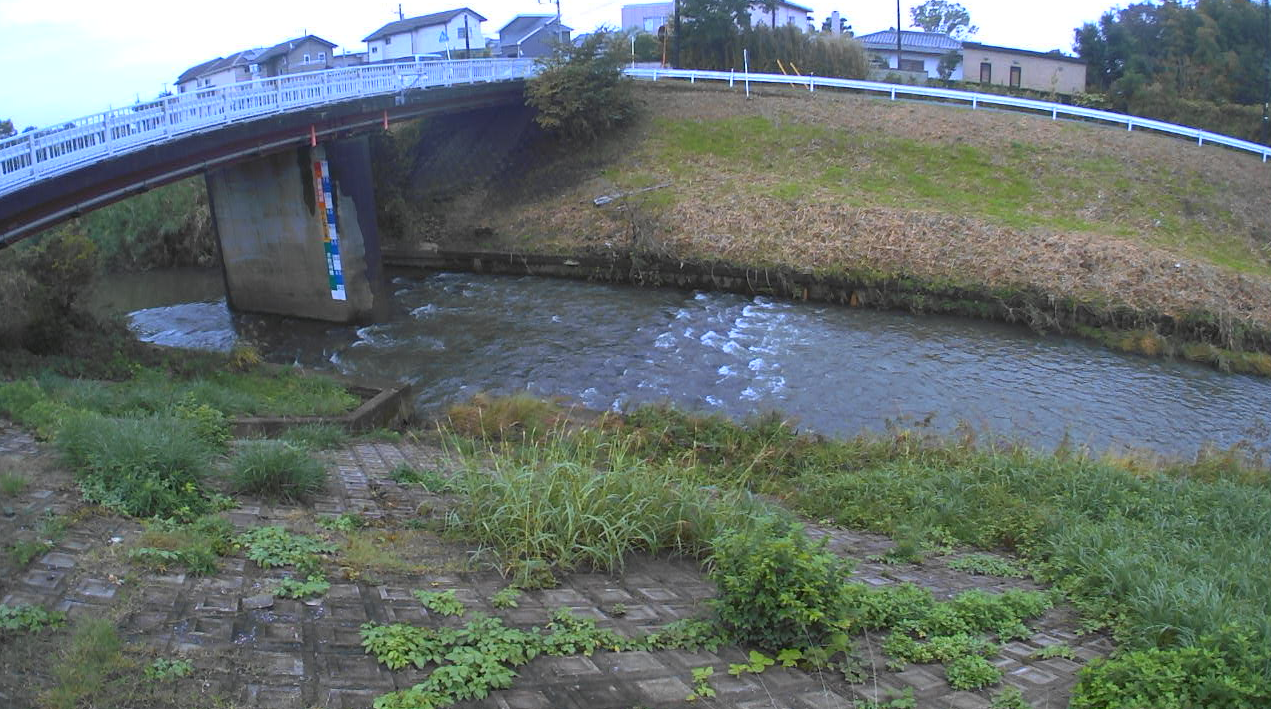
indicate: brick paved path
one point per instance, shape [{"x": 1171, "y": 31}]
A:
[{"x": 264, "y": 652}]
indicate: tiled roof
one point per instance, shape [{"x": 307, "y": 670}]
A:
[
  {"x": 247, "y": 56},
  {"x": 911, "y": 40},
  {"x": 284, "y": 47},
  {"x": 411, "y": 24},
  {"x": 523, "y": 26}
]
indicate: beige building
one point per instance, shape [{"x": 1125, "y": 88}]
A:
[{"x": 1021, "y": 68}]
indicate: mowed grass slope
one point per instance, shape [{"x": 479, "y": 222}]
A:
[{"x": 845, "y": 185}]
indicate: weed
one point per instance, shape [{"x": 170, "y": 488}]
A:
[
  {"x": 12, "y": 484},
  {"x": 275, "y": 546},
  {"x": 441, "y": 602},
  {"x": 516, "y": 417},
  {"x": 777, "y": 589},
  {"x": 1009, "y": 698},
  {"x": 90, "y": 667},
  {"x": 164, "y": 669},
  {"x": 346, "y": 522},
  {"x": 506, "y": 597},
  {"x": 197, "y": 546},
  {"x": 245, "y": 357},
  {"x": 701, "y": 684},
  {"x": 986, "y": 565},
  {"x": 430, "y": 480},
  {"x": 755, "y": 663},
  {"x": 277, "y": 470},
  {"x": 313, "y": 585},
  {"x": 25, "y": 550},
  {"x": 618, "y": 610},
  {"x": 1053, "y": 651},
  {"x": 28, "y": 619},
  {"x": 972, "y": 672},
  {"x": 317, "y": 436},
  {"x": 143, "y": 467},
  {"x": 896, "y": 699}
]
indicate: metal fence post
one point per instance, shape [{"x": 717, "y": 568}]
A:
[{"x": 31, "y": 149}]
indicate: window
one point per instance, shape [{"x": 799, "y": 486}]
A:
[
  {"x": 375, "y": 50},
  {"x": 911, "y": 65},
  {"x": 388, "y": 39},
  {"x": 652, "y": 24},
  {"x": 306, "y": 59},
  {"x": 322, "y": 56},
  {"x": 1016, "y": 75},
  {"x": 253, "y": 68},
  {"x": 986, "y": 73},
  {"x": 463, "y": 33}
]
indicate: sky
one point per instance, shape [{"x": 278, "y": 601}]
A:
[{"x": 66, "y": 59}]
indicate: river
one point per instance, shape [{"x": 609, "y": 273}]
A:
[{"x": 839, "y": 371}]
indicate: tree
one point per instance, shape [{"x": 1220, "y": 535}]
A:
[
  {"x": 948, "y": 62},
  {"x": 6, "y": 128},
  {"x": 710, "y": 26},
  {"x": 844, "y": 28},
  {"x": 580, "y": 91},
  {"x": 942, "y": 16}
]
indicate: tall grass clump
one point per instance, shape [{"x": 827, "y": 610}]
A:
[
  {"x": 517, "y": 417},
  {"x": 278, "y": 470},
  {"x": 144, "y": 467},
  {"x": 317, "y": 436},
  {"x": 562, "y": 505}
]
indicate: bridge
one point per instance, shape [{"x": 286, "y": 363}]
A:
[
  {"x": 287, "y": 165},
  {"x": 288, "y": 169}
]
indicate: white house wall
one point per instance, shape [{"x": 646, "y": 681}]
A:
[
  {"x": 930, "y": 63},
  {"x": 785, "y": 16},
  {"x": 427, "y": 40}
]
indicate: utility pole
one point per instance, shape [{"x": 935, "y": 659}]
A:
[
  {"x": 467, "y": 41},
  {"x": 898, "y": 35},
  {"x": 675, "y": 50},
  {"x": 400, "y": 16}
]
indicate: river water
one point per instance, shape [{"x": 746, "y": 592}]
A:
[{"x": 837, "y": 370}]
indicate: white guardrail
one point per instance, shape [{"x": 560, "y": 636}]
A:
[
  {"x": 1055, "y": 110},
  {"x": 42, "y": 154}
]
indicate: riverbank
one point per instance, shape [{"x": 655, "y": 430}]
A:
[{"x": 1146, "y": 242}]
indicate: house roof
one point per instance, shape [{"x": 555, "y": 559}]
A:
[
  {"x": 410, "y": 24},
  {"x": 911, "y": 40},
  {"x": 522, "y": 27},
  {"x": 1056, "y": 55},
  {"x": 247, "y": 56},
  {"x": 284, "y": 47}
]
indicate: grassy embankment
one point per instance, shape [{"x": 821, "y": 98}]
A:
[
  {"x": 1169, "y": 556},
  {"x": 1145, "y": 242}
]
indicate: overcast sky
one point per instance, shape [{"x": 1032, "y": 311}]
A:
[{"x": 68, "y": 58}]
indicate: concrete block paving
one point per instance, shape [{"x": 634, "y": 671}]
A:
[{"x": 261, "y": 651}]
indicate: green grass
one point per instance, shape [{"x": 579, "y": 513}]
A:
[
  {"x": 277, "y": 470},
  {"x": 317, "y": 436},
  {"x": 1170, "y": 556},
  {"x": 1018, "y": 184},
  {"x": 13, "y": 484}
]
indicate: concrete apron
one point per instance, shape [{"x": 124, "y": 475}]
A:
[{"x": 298, "y": 235}]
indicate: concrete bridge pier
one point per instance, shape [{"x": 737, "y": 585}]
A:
[{"x": 298, "y": 235}]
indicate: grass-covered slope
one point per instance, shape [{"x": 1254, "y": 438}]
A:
[{"x": 1138, "y": 229}]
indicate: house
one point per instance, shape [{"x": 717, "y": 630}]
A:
[
  {"x": 649, "y": 17},
  {"x": 531, "y": 36},
  {"x": 919, "y": 51},
  {"x": 1021, "y": 68},
  {"x": 457, "y": 30},
  {"x": 308, "y": 53},
  {"x": 979, "y": 63}
]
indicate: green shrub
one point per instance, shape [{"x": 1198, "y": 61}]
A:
[
  {"x": 28, "y": 619},
  {"x": 972, "y": 672},
  {"x": 277, "y": 470},
  {"x": 1178, "y": 678},
  {"x": 209, "y": 424},
  {"x": 778, "y": 589},
  {"x": 143, "y": 467},
  {"x": 579, "y": 91},
  {"x": 275, "y": 546}
]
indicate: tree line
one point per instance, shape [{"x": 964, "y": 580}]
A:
[{"x": 1203, "y": 62}]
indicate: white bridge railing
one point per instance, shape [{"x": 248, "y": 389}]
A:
[
  {"x": 42, "y": 154},
  {"x": 975, "y": 100}
]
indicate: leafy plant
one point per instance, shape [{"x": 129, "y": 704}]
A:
[
  {"x": 896, "y": 699},
  {"x": 197, "y": 545},
  {"x": 1009, "y": 698},
  {"x": 277, "y": 469},
  {"x": 757, "y": 663},
  {"x": 346, "y": 522},
  {"x": 430, "y": 480},
  {"x": 778, "y": 589},
  {"x": 441, "y": 602},
  {"x": 506, "y": 597},
  {"x": 987, "y": 565},
  {"x": 972, "y": 672},
  {"x": 618, "y": 610},
  {"x": 1055, "y": 650},
  {"x": 275, "y": 546},
  {"x": 28, "y": 619},
  {"x": 313, "y": 585},
  {"x": 164, "y": 669},
  {"x": 701, "y": 684}
]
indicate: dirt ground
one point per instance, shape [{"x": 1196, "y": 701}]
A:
[{"x": 250, "y": 649}]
